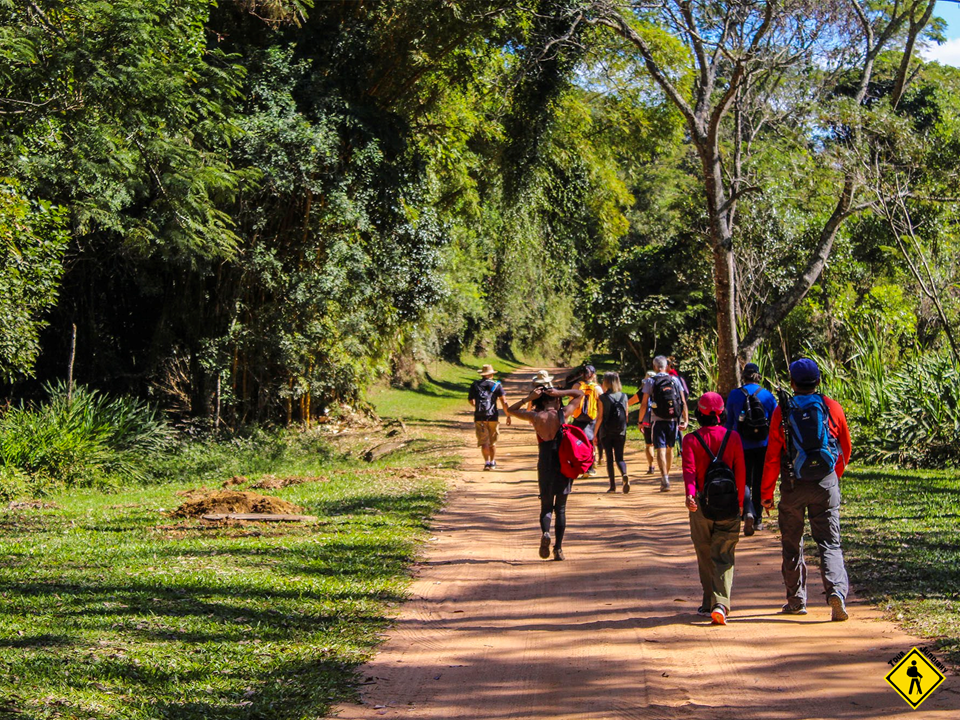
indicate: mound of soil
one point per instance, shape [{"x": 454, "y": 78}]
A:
[
  {"x": 235, "y": 480},
  {"x": 231, "y": 501}
]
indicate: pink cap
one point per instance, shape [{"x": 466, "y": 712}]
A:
[{"x": 710, "y": 403}]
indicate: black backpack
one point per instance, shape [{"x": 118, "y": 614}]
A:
[
  {"x": 666, "y": 402},
  {"x": 753, "y": 423},
  {"x": 616, "y": 423},
  {"x": 719, "y": 498},
  {"x": 486, "y": 402}
]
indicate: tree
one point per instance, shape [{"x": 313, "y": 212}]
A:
[{"x": 741, "y": 54}]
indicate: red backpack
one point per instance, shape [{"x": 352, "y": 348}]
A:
[{"x": 576, "y": 452}]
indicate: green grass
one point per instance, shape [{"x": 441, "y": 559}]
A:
[
  {"x": 902, "y": 543},
  {"x": 111, "y": 609},
  {"x": 443, "y": 392}
]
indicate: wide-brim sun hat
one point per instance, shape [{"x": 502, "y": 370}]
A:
[
  {"x": 487, "y": 370},
  {"x": 542, "y": 379}
]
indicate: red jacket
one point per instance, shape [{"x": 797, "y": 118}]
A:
[
  {"x": 772, "y": 467},
  {"x": 696, "y": 461}
]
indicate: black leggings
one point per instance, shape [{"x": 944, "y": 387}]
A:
[
  {"x": 553, "y": 499},
  {"x": 614, "y": 447}
]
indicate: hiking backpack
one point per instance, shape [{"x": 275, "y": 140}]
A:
[
  {"x": 813, "y": 451},
  {"x": 616, "y": 423},
  {"x": 719, "y": 499},
  {"x": 486, "y": 402},
  {"x": 753, "y": 423},
  {"x": 665, "y": 400},
  {"x": 576, "y": 452}
]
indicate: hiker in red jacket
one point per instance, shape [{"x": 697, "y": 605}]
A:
[
  {"x": 715, "y": 480},
  {"x": 809, "y": 458},
  {"x": 548, "y": 415}
]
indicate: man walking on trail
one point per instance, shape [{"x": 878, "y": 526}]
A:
[
  {"x": 713, "y": 475},
  {"x": 585, "y": 412},
  {"x": 548, "y": 416},
  {"x": 809, "y": 449},
  {"x": 663, "y": 394},
  {"x": 749, "y": 408},
  {"x": 484, "y": 394}
]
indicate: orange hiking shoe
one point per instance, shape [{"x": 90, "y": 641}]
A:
[{"x": 719, "y": 615}]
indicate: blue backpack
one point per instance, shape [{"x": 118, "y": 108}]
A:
[{"x": 813, "y": 451}]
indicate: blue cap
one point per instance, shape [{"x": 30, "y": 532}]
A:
[
  {"x": 751, "y": 368},
  {"x": 589, "y": 369},
  {"x": 804, "y": 372}
]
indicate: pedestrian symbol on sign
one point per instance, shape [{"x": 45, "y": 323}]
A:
[{"x": 915, "y": 677}]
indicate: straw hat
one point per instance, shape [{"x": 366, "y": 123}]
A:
[
  {"x": 487, "y": 370},
  {"x": 542, "y": 379}
]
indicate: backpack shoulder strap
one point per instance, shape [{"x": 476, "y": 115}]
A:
[
  {"x": 723, "y": 445},
  {"x": 744, "y": 391},
  {"x": 704, "y": 445},
  {"x": 757, "y": 391}
]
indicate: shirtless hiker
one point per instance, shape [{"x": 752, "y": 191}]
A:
[{"x": 548, "y": 415}]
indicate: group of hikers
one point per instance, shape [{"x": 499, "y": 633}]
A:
[{"x": 730, "y": 464}]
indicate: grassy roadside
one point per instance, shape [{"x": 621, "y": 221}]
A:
[
  {"x": 902, "y": 543},
  {"x": 109, "y": 608}
]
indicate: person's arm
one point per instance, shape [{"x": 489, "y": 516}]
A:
[
  {"x": 503, "y": 403},
  {"x": 599, "y": 422},
  {"x": 733, "y": 411},
  {"x": 843, "y": 436},
  {"x": 771, "y": 466},
  {"x": 685, "y": 420},
  {"x": 643, "y": 406},
  {"x": 570, "y": 407},
  {"x": 517, "y": 409},
  {"x": 688, "y": 453}
]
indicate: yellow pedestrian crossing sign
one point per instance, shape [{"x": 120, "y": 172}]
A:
[{"x": 915, "y": 678}]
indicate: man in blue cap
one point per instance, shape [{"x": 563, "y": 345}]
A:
[
  {"x": 809, "y": 447},
  {"x": 749, "y": 409}
]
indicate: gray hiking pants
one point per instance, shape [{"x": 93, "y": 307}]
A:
[{"x": 821, "y": 502}]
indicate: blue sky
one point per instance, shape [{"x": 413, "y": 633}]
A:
[{"x": 949, "y": 52}]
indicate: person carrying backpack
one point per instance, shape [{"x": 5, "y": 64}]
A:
[
  {"x": 612, "y": 427},
  {"x": 663, "y": 394},
  {"x": 809, "y": 449},
  {"x": 483, "y": 395},
  {"x": 715, "y": 481},
  {"x": 548, "y": 417},
  {"x": 749, "y": 408},
  {"x": 585, "y": 412}
]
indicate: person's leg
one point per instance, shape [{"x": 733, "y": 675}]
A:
[
  {"x": 669, "y": 459},
  {"x": 493, "y": 435},
  {"x": 610, "y": 456},
  {"x": 700, "y": 529},
  {"x": 723, "y": 547},
  {"x": 617, "y": 444},
  {"x": 824, "y": 513},
  {"x": 794, "y": 570},
  {"x": 560, "y": 524},
  {"x": 648, "y": 448}
]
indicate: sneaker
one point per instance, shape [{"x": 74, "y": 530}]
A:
[
  {"x": 493, "y": 464},
  {"x": 758, "y": 525},
  {"x": 664, "y": 485},
  {"x": 838, "y": 608},
  {"x": 789, "y": 609},
  {"x": 626, "y": 485},
  {"x": 545, "y": 545},
  {"x": 612, "y": 489},
  {"x": 650, "y": 470},
  {"x": 719, "y": 615},
  {"x": 558, "y": 554},
  {"x": 592, "y": 472},
  {"x": 486, "y": 466},
  {"x": 703, "y": 611},
  {"x": 748, "y": 526}
]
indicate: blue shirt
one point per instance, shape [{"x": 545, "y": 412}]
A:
[{"x": 735, "y": 403}]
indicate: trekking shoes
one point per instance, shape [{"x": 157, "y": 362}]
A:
[
  {"x": 748, "y": 526},
  {"x": 838, "y": 608},
  {"x": 558, "y": 554},
  {"x": 719, "y": 615},
  {"x": 789, "y": 609},
  {"x": 664, "y": 485},
  {"x": 626, "y": 485},
  {"x": 545, "y": 545}
]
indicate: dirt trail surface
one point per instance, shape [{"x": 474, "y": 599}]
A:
[{"x": 492, "y": 631}]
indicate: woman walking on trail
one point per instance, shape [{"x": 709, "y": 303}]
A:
[
  {"x": 715, "y": 480},
  {"x": 547, "y": 416},
  {"x": 612, "y": 427}
]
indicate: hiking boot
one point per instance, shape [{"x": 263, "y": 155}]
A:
[
  {"x": 719, "y": 615},
  {"x": 664, "y": 485},
  {"x": 558, "y": 554},
  {"x": 748, "y": 526},
  {"x": 626, "y": 485},
  {"x": 545, "y": 545},
  {"x": 789, "y": 609},
  {"x": 838, "y": 608}
]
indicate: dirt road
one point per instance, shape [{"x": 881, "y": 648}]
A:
[{"x": 492, "y": 631}]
